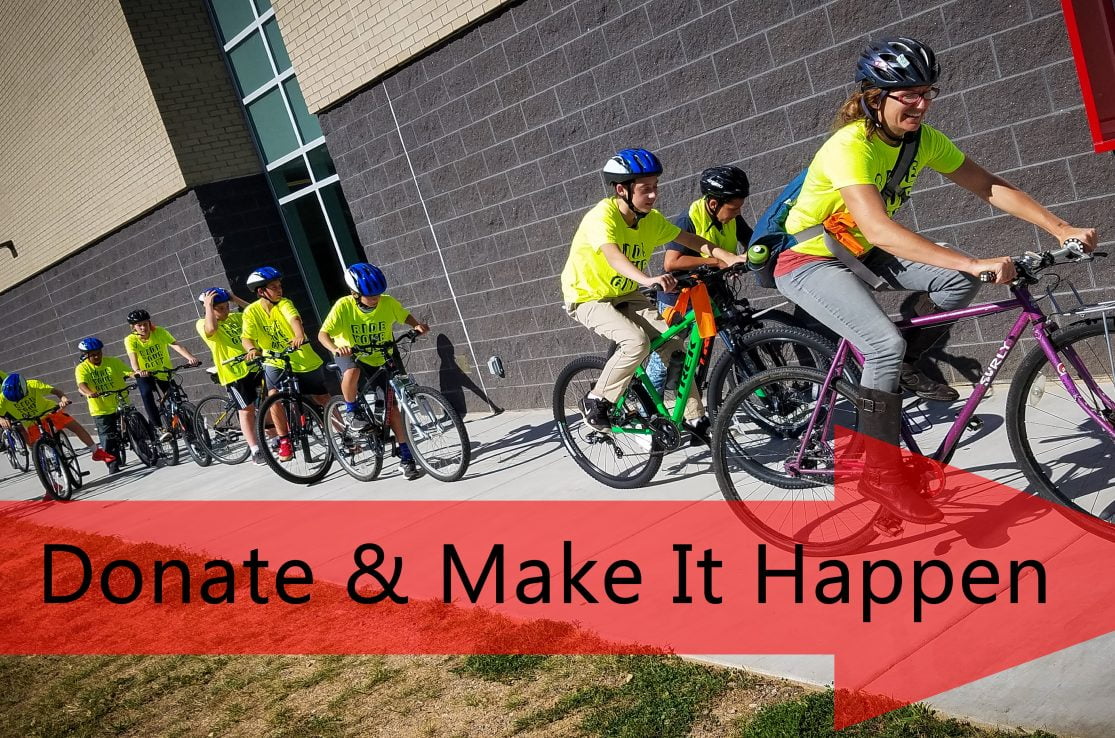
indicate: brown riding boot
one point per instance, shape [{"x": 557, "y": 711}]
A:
[{"x": 886, "y": 479}]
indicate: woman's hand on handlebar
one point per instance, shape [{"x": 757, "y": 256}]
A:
[
  {"x": 1086, "y": 236},
  {"x": 1001, "y": 267},
  {"x": 342, "y": 350},
  {"x": 664, "y": 282}
]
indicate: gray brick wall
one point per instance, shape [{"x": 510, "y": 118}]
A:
[
  {"x": 214, "y": 235},
  {"x": 507, "y": 125}
]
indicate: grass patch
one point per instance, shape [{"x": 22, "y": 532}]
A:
[
  {"x": 811, "y": 717},
  {"x": 659, "y": 696},
  {"x": 496, "y": 668}
]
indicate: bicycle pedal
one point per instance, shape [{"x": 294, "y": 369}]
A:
[{"x": 889, "y": 526}]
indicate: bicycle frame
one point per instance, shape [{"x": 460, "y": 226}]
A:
[{"x": 1031, "y": 315}]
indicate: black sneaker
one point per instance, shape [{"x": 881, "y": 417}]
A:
[
  {"x": 410, "y": 469},
  {"x": 699, "y": 431},
  {"x": 914, "y": 381},
  {"x": 597, "y": 413}
]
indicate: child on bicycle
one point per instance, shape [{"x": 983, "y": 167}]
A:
[
  {"x": 601, "y": 279},
  {"x": 95, "y": 374},
  {"x": 29, "y": 398},
  {"x": 897, "y": 83},
  {"x": 365, "y": 317},
  {"x": 715, "y": 216},
  {"x": 148, "y": 352},
  {"x": 221, "y": 330},
  {"x": 272, "y": 323}
]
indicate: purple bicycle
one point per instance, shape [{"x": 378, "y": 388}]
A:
[{"x": 774, "y": 438}]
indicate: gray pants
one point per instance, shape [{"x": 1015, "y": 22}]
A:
[{"x": 829, "y": 292}]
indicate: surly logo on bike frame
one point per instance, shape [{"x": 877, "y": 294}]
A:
[{"x": 996, "y": 363}]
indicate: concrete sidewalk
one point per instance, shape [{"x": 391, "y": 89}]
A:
[{"x": 518, "y": 456}]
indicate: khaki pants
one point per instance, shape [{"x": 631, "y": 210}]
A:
[{"x": 630, "y": 321}]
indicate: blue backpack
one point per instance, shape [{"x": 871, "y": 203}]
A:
[{"x": 770, "y": 228}]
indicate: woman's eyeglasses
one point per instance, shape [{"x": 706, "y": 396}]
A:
[{"x": 910, "y": 97}]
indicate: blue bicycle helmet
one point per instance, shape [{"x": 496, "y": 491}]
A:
[
  {"x": 365, "y": 279},
  {"x": 262, "y": 276},
  {"x": 220, "y": 295},
  {"x": 630, "y": 164},
  {"x": 90, "y": 343},
  {"x": 14, "y": 388},
  {"x": 897, "y": 62}
]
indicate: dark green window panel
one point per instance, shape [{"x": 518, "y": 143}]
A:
[
  {"x": 307, "y": 124},
  {"x": 272, "y": 126},
  {"x": 278, "y": 48},
  {"x": 233, "y": 16},
  {"x": 250, "y": 64}
]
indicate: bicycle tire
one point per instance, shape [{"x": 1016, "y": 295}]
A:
[
  {"x": 435, "y": 423},
  {"x": 311, "y": 460},
  {"x": 768, "y": 348},
  {"x": 347, "y": 444},
  {"x": 786, "y": 398},
  {"x": 168, "y": 449},
  {"x": 142, "y": 438},
  {"x": 1054, "y": 464},
  {"x": 187, "y": 414},
  {"x": 573, "y": 382},
  {"x": 219, "y": 432},
  {"x": 50, "y": 466},
  {"x": 73, "y": 466},
  {"x": 19, "y": 456}
]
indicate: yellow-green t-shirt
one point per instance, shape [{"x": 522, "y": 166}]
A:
[
  {"x": 110, "y": 375},
  {"x": 271, "y": 331},
  {"x": 587, "y": 274},
  {"x": 37, "y": 402},
  {"x": 849, "y": 157},
  {"x": 709, "y": 228},
  {"x": 152, "y": 354},
  {"x": 350, "y": 325},
  {"x": 224, "y": 345}
]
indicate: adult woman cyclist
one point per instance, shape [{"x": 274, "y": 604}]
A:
[{"x": 897, "y": 83}]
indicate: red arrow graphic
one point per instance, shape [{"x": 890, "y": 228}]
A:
[{"x": 906, "y": 617}]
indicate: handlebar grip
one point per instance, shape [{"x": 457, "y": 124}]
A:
[{"x": 987, "y": 277}]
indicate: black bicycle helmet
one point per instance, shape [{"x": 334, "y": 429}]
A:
[
  {"x": 893, "y": 63},
  {"x": 138, "y": 316},
  {"x": 724, "y": 183}
]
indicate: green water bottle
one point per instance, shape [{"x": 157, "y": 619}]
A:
[{"x": 757, "y": 256}]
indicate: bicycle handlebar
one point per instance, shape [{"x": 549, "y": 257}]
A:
[
  {"x": 1030, "y": 263},
  {"x": 173, "y": 370},
  {"x": 371, "y": 348},
  {"x": 125, "y": 388},
  {"x": 690, "y": 277}
]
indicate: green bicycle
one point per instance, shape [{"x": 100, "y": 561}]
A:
[{"x": 644, "y": 428}]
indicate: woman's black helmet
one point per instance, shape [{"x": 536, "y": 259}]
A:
[
  {"x": 897, "y": 62},
  {"x": 724, "y": 183}
]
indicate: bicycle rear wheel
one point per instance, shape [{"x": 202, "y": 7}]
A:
[
  {"x": 359, "y": 452},
  {"x": 1064, "y": 454},
  {"x": 217, "y": 430},
  {"x": 762, "y": 426},
  {"x": 312, "y": 456},
  {"x": 620, "y": 460},
  {"x": 142, "y": 438},
  {"x": 436, "y": 434},
  {"x": 768, "y": 348}
]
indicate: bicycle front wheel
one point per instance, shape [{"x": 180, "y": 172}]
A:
[
  {"x": 620, "y": 460},
  {"x": 311, "y": 457},
  {"x": 359, "y": 452},
  {"x": 51, "y": 467},
  {"x": 1064, "y": 453},
  {"x": 217, "y": 430},
  {"x": 436, "y": 434},
  {"x": 774, "y": 461},
  {"x": 187, "y": 415},
  {"x": 142, "y": 438},
  {"x": 77, "y": 477},
  {"x": 18, "y": 455}
]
